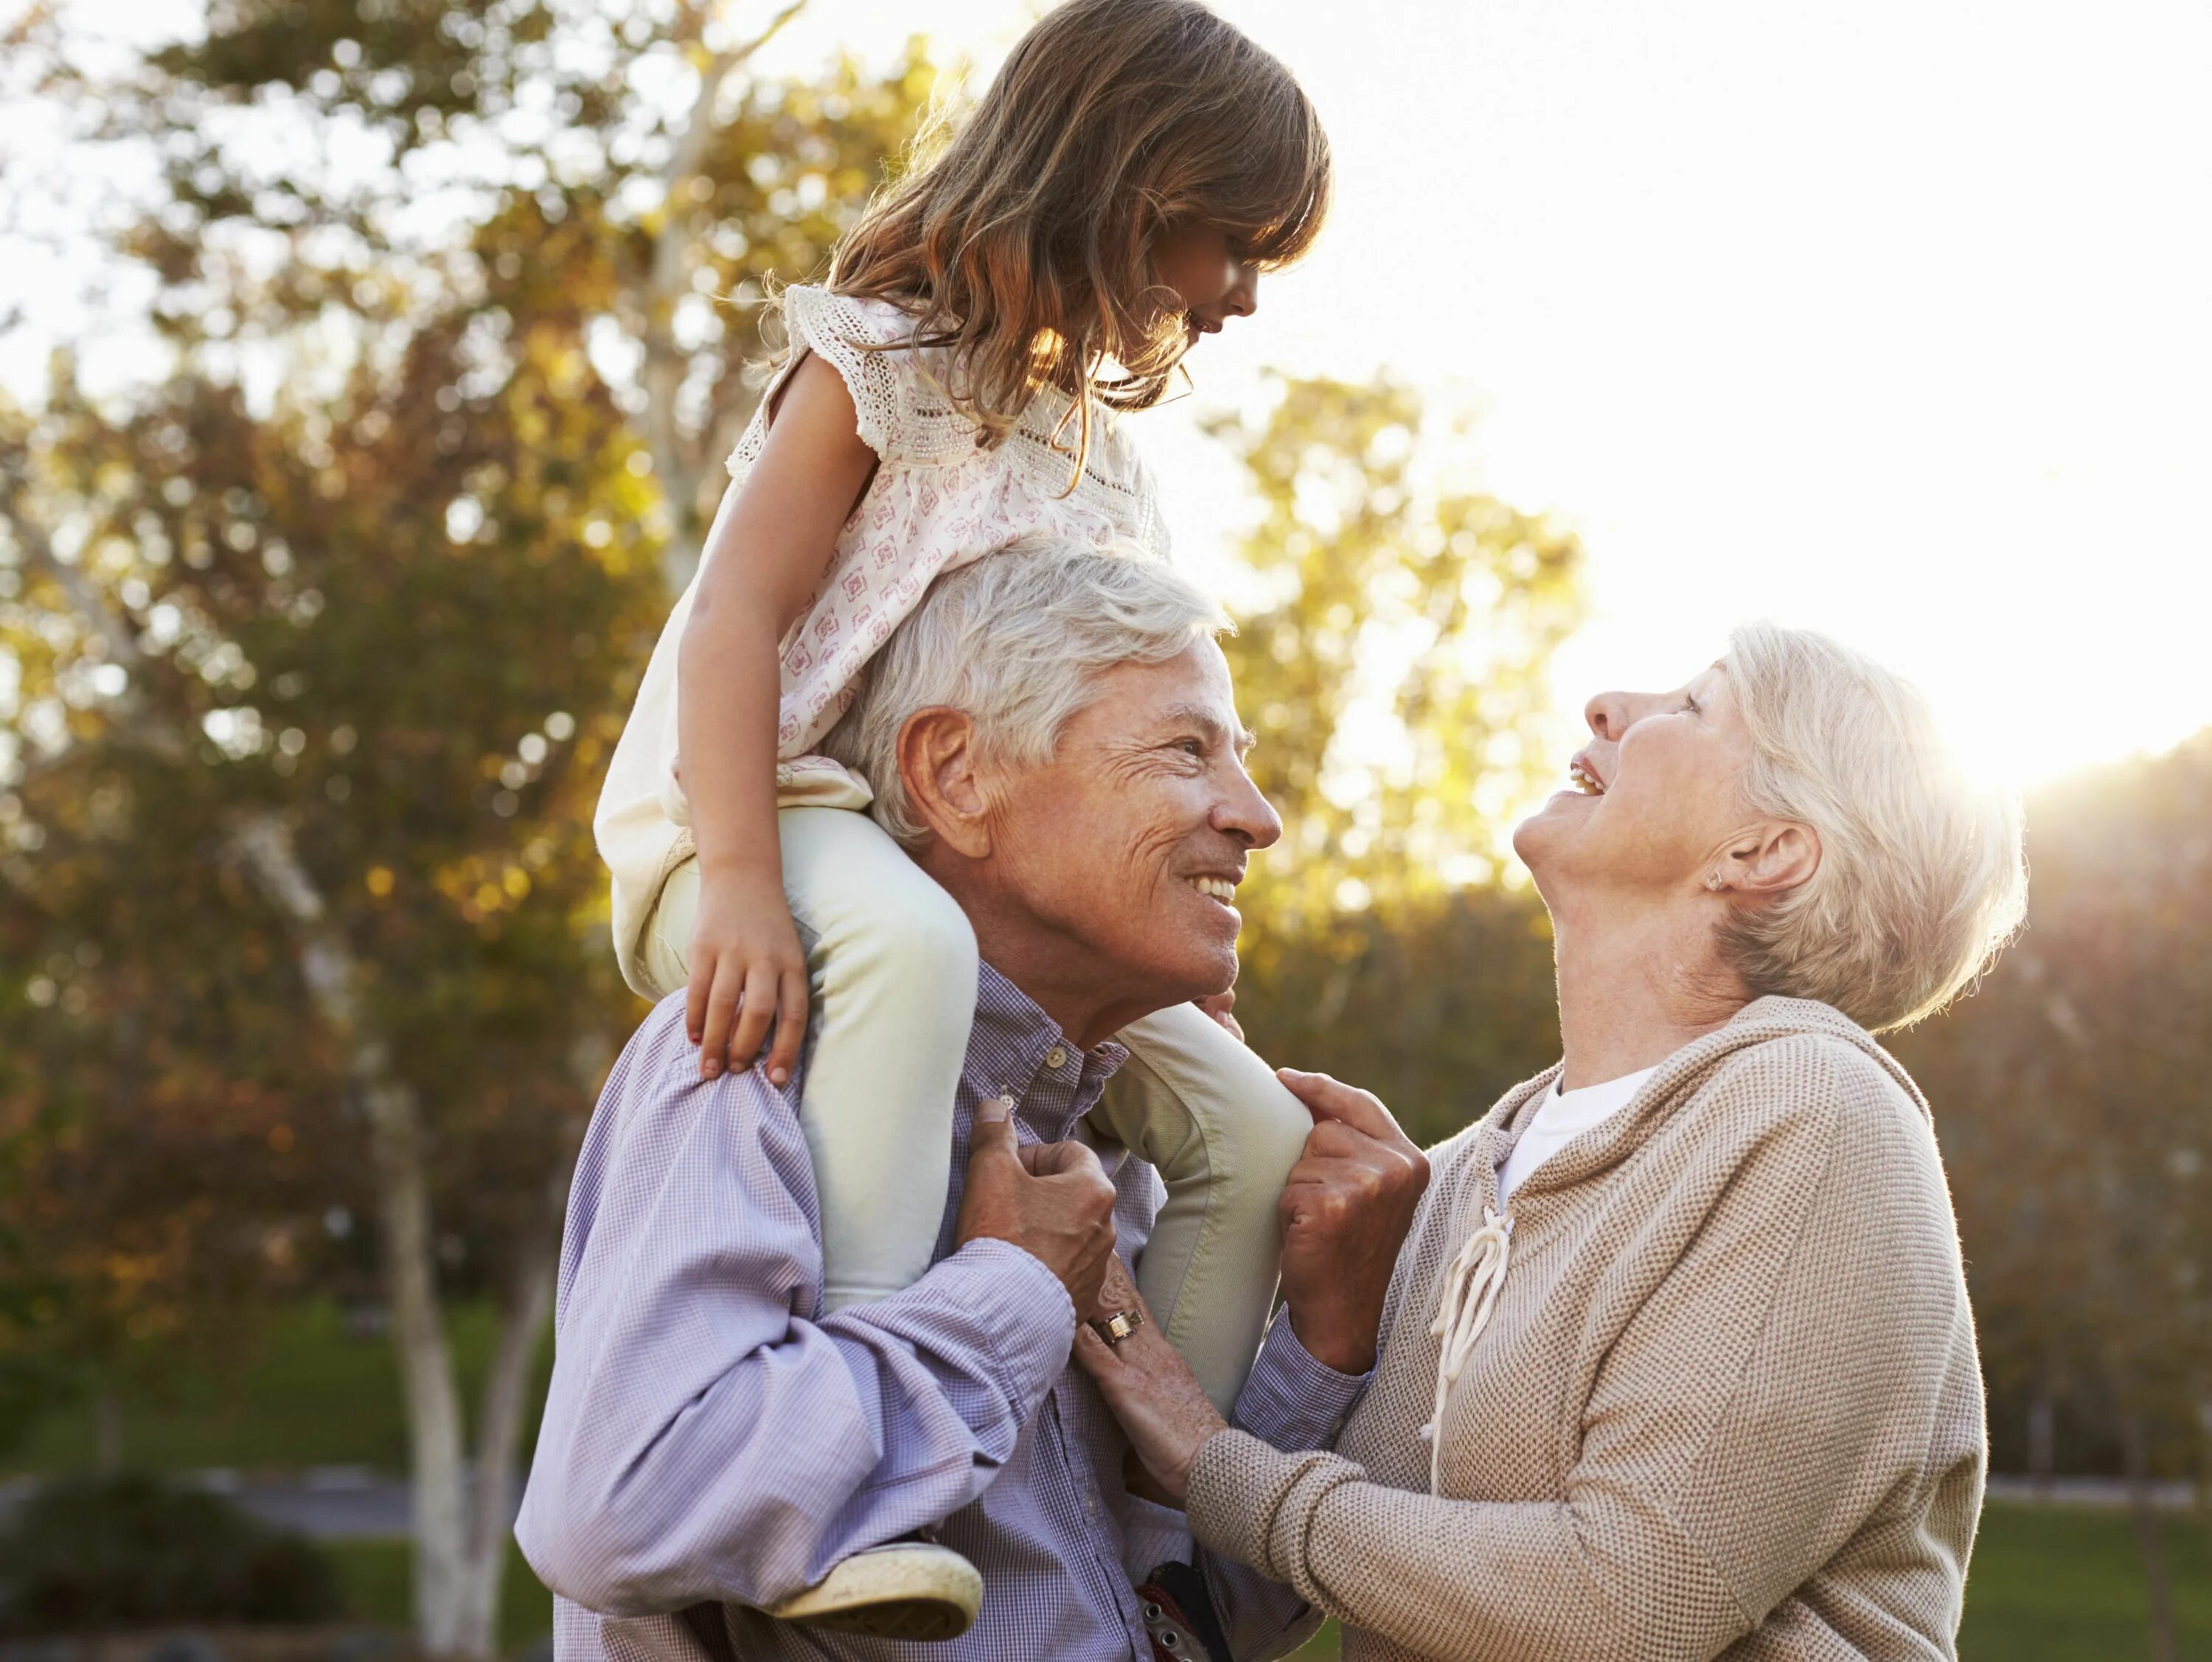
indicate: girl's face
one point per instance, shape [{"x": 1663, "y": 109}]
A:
[{"x": 1208, "y": 272}]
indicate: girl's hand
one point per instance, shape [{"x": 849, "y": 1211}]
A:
[
  {"x": 747, "y": 969},
  {"x": 1150, "y": 1387}
]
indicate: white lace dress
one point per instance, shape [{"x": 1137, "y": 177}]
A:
[{"x": 937, "y": 502}]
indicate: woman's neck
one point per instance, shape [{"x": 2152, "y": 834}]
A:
[{"x": 1634, "y": 988}]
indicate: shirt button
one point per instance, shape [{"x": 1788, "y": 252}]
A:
[{"x": 1057, "y": 1056}]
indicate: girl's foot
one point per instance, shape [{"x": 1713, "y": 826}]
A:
[{"x": 907, "y": 1590}]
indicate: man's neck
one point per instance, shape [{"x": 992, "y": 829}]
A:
[
  {"x": 1634, "y": 988},
  {"x": 1058, "y": 975}
]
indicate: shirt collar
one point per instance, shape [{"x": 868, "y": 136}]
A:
[{"x": 1016, "y": 1049}]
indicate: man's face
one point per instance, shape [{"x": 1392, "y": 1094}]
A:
[{"x": 1125, "y": 848}]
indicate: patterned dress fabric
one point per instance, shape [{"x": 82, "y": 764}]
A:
[{"x": 938, "y": 502}]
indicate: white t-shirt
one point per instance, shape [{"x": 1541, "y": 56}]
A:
[{"x": 1562, "y": 1116}]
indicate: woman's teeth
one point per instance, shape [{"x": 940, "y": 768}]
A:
[
  {"x": 1219, "y": 888},
  {"x": 1584, "y": 781}
]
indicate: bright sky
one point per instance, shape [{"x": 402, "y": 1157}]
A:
[
  {"x": 1889, "y": 318},
  {"x": 1893, "y": 319}
]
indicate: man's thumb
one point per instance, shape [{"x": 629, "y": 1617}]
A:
[{"x": 993, "y": 1132}]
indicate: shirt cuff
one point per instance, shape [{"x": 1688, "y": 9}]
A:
[
  {"x": 1290, "y": 1399},
  {"x": 1011, "y": 1296}
]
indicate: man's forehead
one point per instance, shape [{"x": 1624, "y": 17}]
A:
[{"x": 1193, "y": 686}]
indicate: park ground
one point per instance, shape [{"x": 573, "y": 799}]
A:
[{"x": 2048, "y": 1584}]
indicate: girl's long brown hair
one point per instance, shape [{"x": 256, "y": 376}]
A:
[{"x": 1024, "y": 248}]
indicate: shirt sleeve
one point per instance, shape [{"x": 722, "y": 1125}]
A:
[
  {"x": 1292, "y": 1402},
  {"x": 705, "y": 1438}
]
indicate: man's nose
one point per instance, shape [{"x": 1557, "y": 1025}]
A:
[{"x": 1247, "y": 816}]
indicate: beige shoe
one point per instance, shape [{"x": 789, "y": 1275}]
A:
[{"x": 907, "y": 1590}]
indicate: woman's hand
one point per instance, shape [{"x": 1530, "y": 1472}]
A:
[
  {"x": 1345, "y": 1208},
  {"x": 747, "y": 969},
  {"x": 1150, "y": 1387}
]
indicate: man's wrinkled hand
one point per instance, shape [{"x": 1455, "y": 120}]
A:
[
  {"x": 1053, "y": 1200},
  {"x": 1345, "y": 1208}
]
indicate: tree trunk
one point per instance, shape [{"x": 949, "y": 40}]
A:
[
  {"x": 434, "y": 1434},
  {"x": 523, "y": 1316},
  {"x": 2143, "y": 1513},
  {"x": 499, "y": 1449},
  {"x": 106, "y": 1432},
  {"x": 2042, "y": 1440}
]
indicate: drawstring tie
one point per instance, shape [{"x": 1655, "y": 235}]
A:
[{"x": 1471, "y": 1288}]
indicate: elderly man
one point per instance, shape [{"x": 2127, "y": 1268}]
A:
[{"x": 713, "y": 1442}]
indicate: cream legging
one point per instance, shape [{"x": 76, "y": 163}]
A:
[{"x": 892, "y": 961}]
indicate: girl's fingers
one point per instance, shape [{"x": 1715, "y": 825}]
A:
[
  {"x": 715, "y": 1030},
  {"x": 695, "y": 992},
  {"x": 790, "y": 1026},
  {"x": 756, "y": 1009}
]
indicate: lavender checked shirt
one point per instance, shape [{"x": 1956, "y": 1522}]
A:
[{"x": 713, "y": 1442}]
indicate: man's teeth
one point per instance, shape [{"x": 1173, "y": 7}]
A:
[{"x": 1219, "y": 887}]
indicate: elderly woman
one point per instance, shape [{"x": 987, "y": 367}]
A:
[{"x": 1676, "y": 1360}]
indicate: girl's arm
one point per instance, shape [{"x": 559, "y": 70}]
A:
[{"x": 770, "y": 543}]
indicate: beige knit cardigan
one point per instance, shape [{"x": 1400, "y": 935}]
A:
[{"x": 1727, "y": 1402}]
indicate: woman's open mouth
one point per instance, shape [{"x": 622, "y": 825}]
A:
[{"x": 1584, "y": 778}]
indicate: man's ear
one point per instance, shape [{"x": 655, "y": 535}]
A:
[
  {"x": 1769, "y": 860},
  {"x": 936, "y": 765}
]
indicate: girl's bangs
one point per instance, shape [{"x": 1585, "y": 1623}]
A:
[{"x": 1286, "y": 198}]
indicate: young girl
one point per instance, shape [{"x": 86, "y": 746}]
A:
[{"x": 953, "y": 387}]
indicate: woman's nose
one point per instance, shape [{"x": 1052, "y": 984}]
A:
[{"x": 1607, "y": 715}]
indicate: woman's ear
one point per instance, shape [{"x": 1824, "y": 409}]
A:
[
  {"x": 1769, "y": 860},
  {"x": 936, "y": 765}
]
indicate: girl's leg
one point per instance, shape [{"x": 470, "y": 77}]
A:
[
  {"x": 1224, "y": 1134},
  {"x": 892, "y": 961}
]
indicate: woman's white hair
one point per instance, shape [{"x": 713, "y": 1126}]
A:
[
  {"x": 1921, "y": 878},
  {"x": 1017, "y": 641}
]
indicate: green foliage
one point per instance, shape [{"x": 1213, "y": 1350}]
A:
[
  {"x": 2070, "y": 1095},
  {"x": 130, "y": 1552},
  {"x": 1392, "y": 672}
]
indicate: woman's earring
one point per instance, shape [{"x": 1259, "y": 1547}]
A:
[{"x": 1713, "y": 880}]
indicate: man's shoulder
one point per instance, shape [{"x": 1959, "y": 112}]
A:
[{"x": 655, "y": 1109}]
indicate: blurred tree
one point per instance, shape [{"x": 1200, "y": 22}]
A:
[
  {"x": 319, "y": 644},
  {"x": 1393, "y": 669},
  {"x": 2071, "y": 1095}
]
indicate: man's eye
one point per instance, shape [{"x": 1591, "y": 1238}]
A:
[{"x": 1191, "y": 746}]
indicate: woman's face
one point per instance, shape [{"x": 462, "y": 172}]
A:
[
  {"x": 1211, "y": 281},
  {"x": 1655, "y": 803}
]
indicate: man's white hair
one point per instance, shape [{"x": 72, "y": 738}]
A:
[
  {"x": 1017, "y": 641},
  {"x": 1921, "y": 878}
]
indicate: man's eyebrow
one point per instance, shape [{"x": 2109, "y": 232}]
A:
[{"x": 1199, "y": 716}]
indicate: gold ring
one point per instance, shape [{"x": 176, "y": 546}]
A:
[{"x": 1118, "y": 1326}]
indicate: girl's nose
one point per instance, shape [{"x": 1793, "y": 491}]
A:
[{"x": 1243, "y": 297}]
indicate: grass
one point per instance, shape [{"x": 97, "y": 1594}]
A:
[
  {"x": 377, "y": 1577},
  {"x": 2051, "y": 1584},
  {"x": 2047, "y": 1585},
  {"x": 310, "y": 1392}
]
